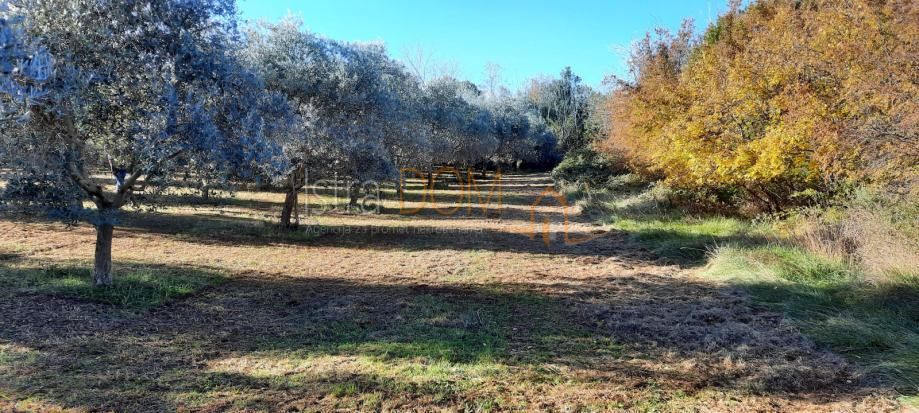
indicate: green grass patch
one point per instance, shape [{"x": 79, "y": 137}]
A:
[
  {"x": 135, "y": 287},
  {"x": 687, "y": 239},
  {"x": 873, "y": 321},
  {"x": 874, "y": 324},
  {"x": 641, "y": 210},
  {"x": 441, "y": 345},
  {"x": 909, "y": 401},
  {"x": 433, "y": 327}
]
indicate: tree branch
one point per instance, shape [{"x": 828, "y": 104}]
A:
[{"x": 94, "y": 190}]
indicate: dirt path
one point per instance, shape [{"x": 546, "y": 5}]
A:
[{"x": 392, "y": 311}]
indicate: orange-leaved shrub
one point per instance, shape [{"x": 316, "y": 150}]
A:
[{"x": 777, "y": 102}]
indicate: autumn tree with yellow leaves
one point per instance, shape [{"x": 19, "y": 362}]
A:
[{"x": 779, "y": 99}]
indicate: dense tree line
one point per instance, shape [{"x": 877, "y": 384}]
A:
[
  {"x": 101, "y": 99},
  {"x": 776, "y": 102}
]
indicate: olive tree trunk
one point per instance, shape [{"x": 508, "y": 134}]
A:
[
  {"x": 290, "y": 204},
  {"x": 102, "y": 267},
  {"x": 354, "y": 193},
  {"x": 290, "y": 214}
]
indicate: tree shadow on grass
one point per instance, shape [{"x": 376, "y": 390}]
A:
[
  {"x": 269, "y": 341},
  {"x": 378, "y": 234},
  {"x": 875, "y": 326},
  {"x": 437, "y": 204},
  {"x": 689, "y": 250},
  {"x": 384, "y": 234},
  {"x": 138, "y": 286}
]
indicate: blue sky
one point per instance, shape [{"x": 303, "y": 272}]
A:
[{"x": 526, "y": 38}]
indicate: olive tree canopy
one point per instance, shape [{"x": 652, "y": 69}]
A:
[{"x": 129, "y": 91}]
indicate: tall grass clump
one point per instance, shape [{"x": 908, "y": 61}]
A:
[{"x": 878, "y": 234}]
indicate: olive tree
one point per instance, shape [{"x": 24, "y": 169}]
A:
[
  {"x": 462, "y": 130},
  {"x": 134, "y": 89},
  {"x": 358, "y": 109}
]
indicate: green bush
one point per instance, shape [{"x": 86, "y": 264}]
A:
[{"x": 587, "y": 166}]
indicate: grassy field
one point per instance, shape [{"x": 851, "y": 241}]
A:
[
  {"x": 215, "y": 309},
  {"x": 870, "y": 319}
]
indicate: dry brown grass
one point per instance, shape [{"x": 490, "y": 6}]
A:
[{"x": 864, "y": 235}]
